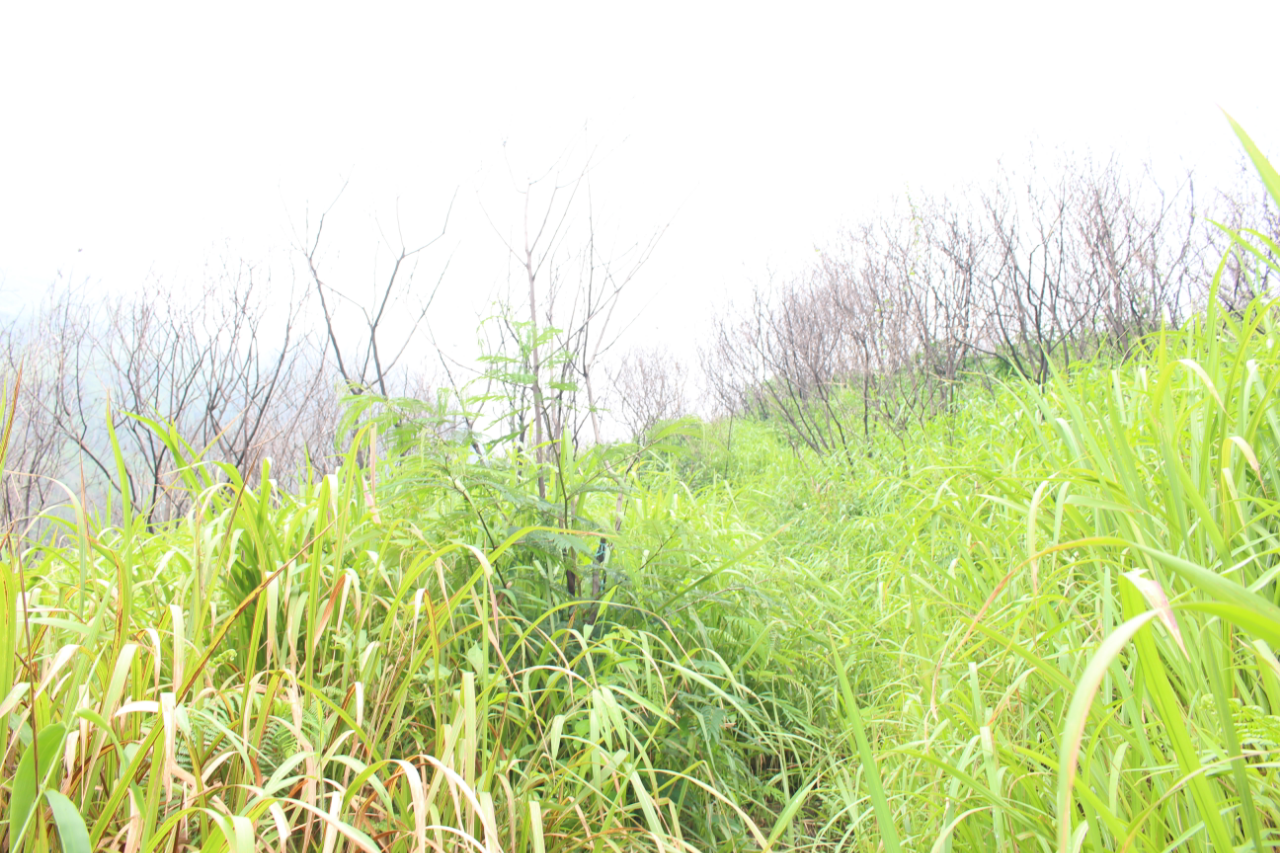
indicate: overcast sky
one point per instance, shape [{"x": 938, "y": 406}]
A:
[{"x": 146, "y": 141}]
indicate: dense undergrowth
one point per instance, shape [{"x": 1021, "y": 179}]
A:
[{"x": 1047, "y": 620}]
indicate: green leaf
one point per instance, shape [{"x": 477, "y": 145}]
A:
[
  {"x": 789, "y": 811},
  {"x": 1262, "y": 614},
  {"x": 26, "y": 788},
  {"x": 871, "y": 770},
  {"x": 1078, "y": 715},
  {"x": 1260, "y": 162},
  {"x": 73, "y": 834}
]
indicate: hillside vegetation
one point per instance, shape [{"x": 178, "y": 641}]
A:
[{"x": 1044, "y": 617}]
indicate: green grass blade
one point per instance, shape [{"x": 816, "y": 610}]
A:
[
  {"x": 870, "y": 769},
  {"x": 1270, "y": 178},
  {"x": 73, "y": 834}
]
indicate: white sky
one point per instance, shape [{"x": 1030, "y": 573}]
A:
[{"x": 140, "y": 141}]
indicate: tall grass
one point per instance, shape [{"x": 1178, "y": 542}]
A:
[
  {"x": 1081, "y": 611},
  {"x": 314, "y": 670},
  {"x": 1055, "y": 616}
]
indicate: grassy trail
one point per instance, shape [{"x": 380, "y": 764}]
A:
[{"x": 1047, "y": 621}]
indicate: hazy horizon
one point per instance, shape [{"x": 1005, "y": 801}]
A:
[{"x": 150, "y": 145}]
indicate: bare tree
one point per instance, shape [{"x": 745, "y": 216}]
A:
[
  {"x": 35, "y": 454},
  {"x": 229, "y": 367},
  {"x": 571, "y": 292},
  {"x": 365, "y": 358},
  {"x": 648, "y": 387},
  {"x": 1027, "y": 274}
]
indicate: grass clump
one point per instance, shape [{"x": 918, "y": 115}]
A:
[{"x": 320, "y": 668}]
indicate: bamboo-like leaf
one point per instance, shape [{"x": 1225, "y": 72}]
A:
[
  {"x": 1154, "y": 594},
  {"x": 1078, "y": 715},
  {"x": 789, "y": 811},
  {"x": 870, "y": 769},
  {"x": 1270, "y": 178},
  {"x": 73, "y": 834},
  {"x": 37, "y": 764}
]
